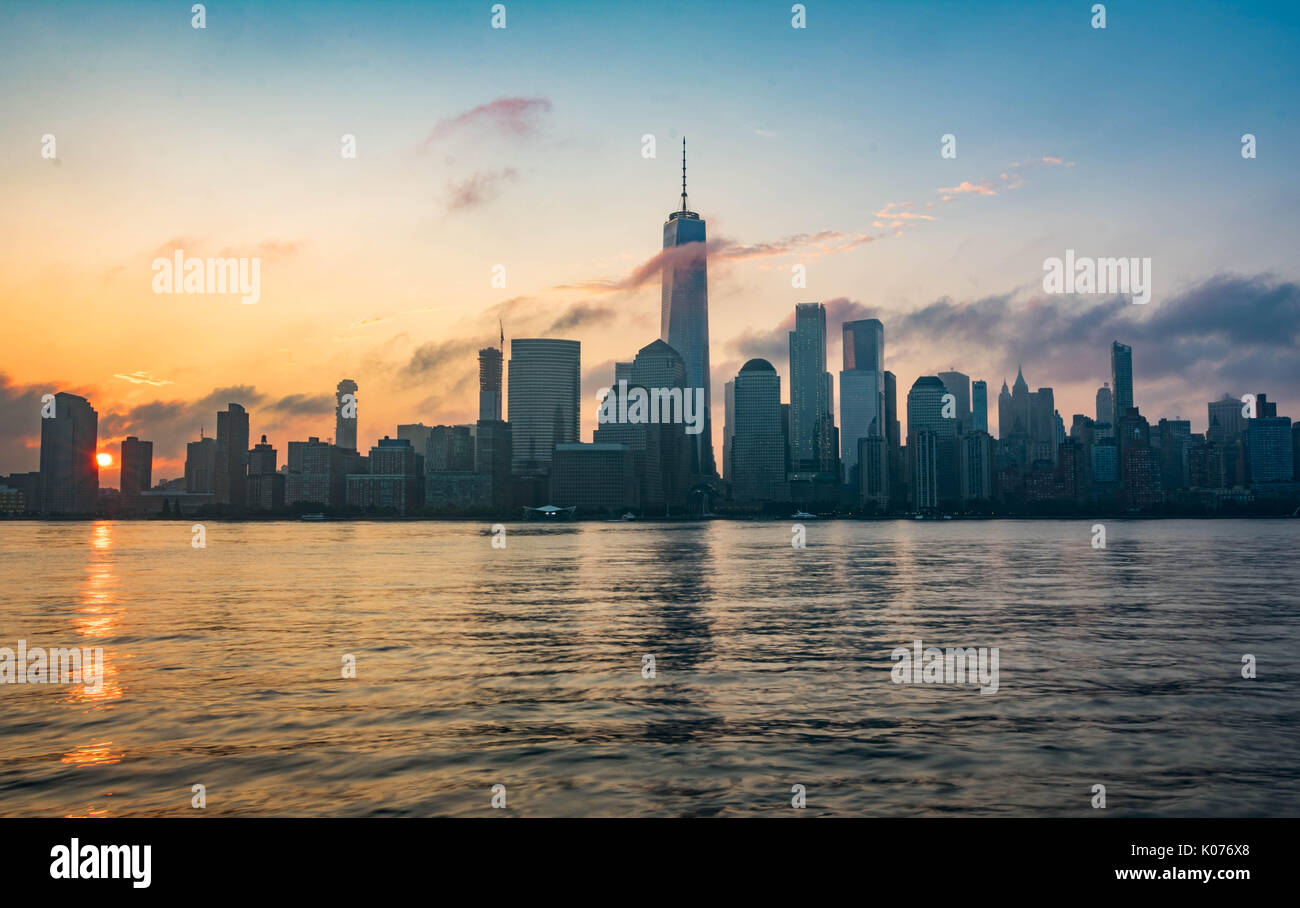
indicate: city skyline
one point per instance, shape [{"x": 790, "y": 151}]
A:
[{"x": 387, "y": 277}]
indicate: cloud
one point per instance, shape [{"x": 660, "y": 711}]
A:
[
  {"x": 983, "y": 187},
  {"x": 722, "y": 250},
  {"x": 434, "y": 359},
  {"x": 142, "y": 378},
  {"x": 512, "y": 116},
  {"x": 581, "y": 315},
  {"x": 477, "y": 188},
  {"x": 1230, "y": 332},
  {"x": 305, "y": 404}
]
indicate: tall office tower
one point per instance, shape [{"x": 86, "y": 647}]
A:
[
  {"x": 489, "y": 384},
  {"x": 69, "y": 470},
  {"x": 1105, "y": 404},
  {"x": 975, "y": 466},
  {"x": 1121, "y": 378},
  {"x": 785, "y": 436},
  {"x": 759, "y": 462},
  {"x": 201, "y": 464},
  {"x": 1139, "y": 468},
  {"x": 1006, "y": 417},
  {"x": 874, "y": 481},
  {"x": 979, "y": 406},
  {"x": 862, "y": 389},
  {"x": 1226, "y": 420},
  {"x": 864, "y": 345},
  {"x": 1042, "y": 423},
  {"x": 642, "y": 440},
  {"x": 811, "y": 403},
  {"x": 922, "y": 454},
  {"x": 230, "y": 481},
  {"x": 622, "y": 372},
  {"x": 728, "y": 427},
  {"x": 657, "y": 367},
  {"x": 925, "y": 418},
  {"x": 1269, "y": 450},
  {"x": 1175, "y": 437},
  {"x": 345, "y": 415},
  {"x": 1021, "y": 403},
  {"x": 1265, "y": 408},
  {"x": 894, "y": 435},
  {"x": 543, "y": 389},
  {"x": 925, "y": 407},
  {"x": 137, "y": 466},
  {"x": 958, "y": 386},
  {"x": 684, "y": 313}
]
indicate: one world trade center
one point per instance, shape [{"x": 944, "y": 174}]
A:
[{"x": 684, "y": 321}]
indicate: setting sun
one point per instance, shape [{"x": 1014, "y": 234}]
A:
[{"x": 104, "y": 460}]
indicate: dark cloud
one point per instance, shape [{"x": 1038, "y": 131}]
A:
[
  {"x": 20, "y": 425},
  {"x": 477, "y": 189},
  {"x": 305, "y": 404},
  {"x": 1230, "y": 332},
  {"x": 581, "y": 315}
]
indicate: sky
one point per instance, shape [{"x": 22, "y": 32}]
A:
[{"x": 523, "y": 147}]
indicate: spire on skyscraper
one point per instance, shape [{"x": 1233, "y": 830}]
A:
[{"x": 683, "y": 173}]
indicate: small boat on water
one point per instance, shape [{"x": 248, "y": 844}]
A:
[
  {"x": 802, "y": 515},
  {"x": 312, "y": 517},
  {"x": 629, "y": 516}
]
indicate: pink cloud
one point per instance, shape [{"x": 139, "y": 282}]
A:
[{"x": 508, "y": 116}]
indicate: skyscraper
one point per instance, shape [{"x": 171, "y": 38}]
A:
[
  {"x": 758, "y": 458},
  {"x": 1105, "y": 405},
  {"x": 201, "y": 464},
  {"x": 684, "y": 313},
  {"x": 543, "y": 389},
  {"x": 1226, "y": 420},
  {"x": 931, "y": 444},
  {"x": 864, "y": 345},
  {"x": 69, "y": 471},
  {"x": 230, "y": 482},
  {"x": 345, "y": 415},
  {"x": 812, "y": 423},
  {"x": 728, "y": 427},
  {"x": 1268, "y": 449},
  {"x": 136, "y": 467},
  {"x": 1020, "y": 405},
  {"x": 1006, "y": 419},
  {"x": 958, "y": 385},
  {"x": 862, "y": 406},
  {"x": 862, "y": 388},
  {"x": 1121, "y": 379},
  {"x": 489, "y": 383},
  {"x": 979, "y": 403}
]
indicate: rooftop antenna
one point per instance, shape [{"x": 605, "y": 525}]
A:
[
  {"x": 501, "y": 325},
  {"x": 683, "y": 173}
]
